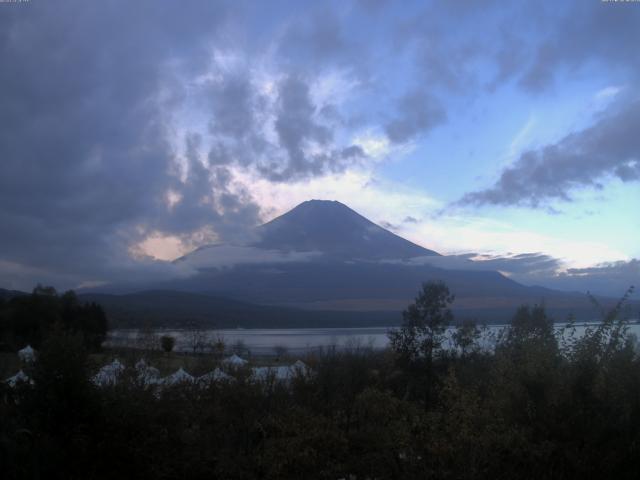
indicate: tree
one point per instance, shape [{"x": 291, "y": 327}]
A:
[
  {"x": 147, "y": 339},
  {"x": 421, "y": 335},
  {"x": 219, "y": 346},
  {"x": 531, "y": 328},
  {"x": 196, "y": 338},
  {"x": 466, "y": 337},
  {"x": 167, "y": 342},
  {"x": 29, "y": 319},
  {"x": 281, "y": 351},
  {"x": 425, "y": 322},
  {"x": 239, "y": 347}
]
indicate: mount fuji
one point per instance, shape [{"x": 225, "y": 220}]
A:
[{"x": 324, "y": 261}]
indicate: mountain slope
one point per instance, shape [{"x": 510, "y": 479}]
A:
[
  {"x": 335, "y": 230},
  {"x": 184, "y": 309},
  {"x": 324, "y": 257}
]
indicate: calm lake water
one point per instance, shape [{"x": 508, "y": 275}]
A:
[{"x": 295, "y": 340}]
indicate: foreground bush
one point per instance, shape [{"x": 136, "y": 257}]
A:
[{"x": 542, "y": 404}]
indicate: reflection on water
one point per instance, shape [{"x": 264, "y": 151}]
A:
[{"x": 294, "y": 340}]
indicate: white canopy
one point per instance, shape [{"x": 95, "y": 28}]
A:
[
  {"x": 146, "y": 373},
  {"x": 180, "y": 376},
  {"x": 300, "y": 366},
  {"x": 235, "y": 360},
  {"x": 27, "y": 354},
  {"x": 214, "y": 376},
  {"x": 281, "y": 374},
  {"x": 140, "y": 364},
  {"x": 108, "y": 375},
  {"x": 19, "y": 377}
]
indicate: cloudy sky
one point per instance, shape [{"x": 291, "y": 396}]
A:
[{"x": 132, "y": 132}]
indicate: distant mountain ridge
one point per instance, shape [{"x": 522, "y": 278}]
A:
[
  {"x": 322, "y": 259},
  {"x": 164, "y": 308}
]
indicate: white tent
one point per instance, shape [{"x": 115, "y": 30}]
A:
[
  {"x": 140, "y": 365},
  {"x": 281, "y": 373},
  {"x": 235, "y": 360},
  {"x": 19, "y": 377},
  {"x": 146, "y": 373},
  {"x": 108, "y": 375},
  {"x": 27, "y": 354},
  {"x": 214, "y": 376},
  {"x": 180, "y": 376},
  {"x": 300, "y": 367}
]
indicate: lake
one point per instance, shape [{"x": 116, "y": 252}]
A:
[{"x": 294, "y": 340}]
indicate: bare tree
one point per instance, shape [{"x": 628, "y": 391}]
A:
[
  {"x": 219, "y": 345},
  {"x": 281, "y": 351},
  {"x": 197, "y": 338},
  {"x": 147, "y": 339}
]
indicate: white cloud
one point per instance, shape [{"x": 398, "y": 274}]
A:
[
  {"x": 334, "y": 87},
  {"x": 160, "y": 247},
  {"x": 222, "y": 256},
  {"x": 381, "y": 200},
  {"x": 374, "y": 146},
  {"x": 451, "y": 235},
  {"x": 359, "y": 189},
  {"x": 608, "y": 92}
]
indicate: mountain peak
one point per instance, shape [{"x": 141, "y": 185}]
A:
[
  {"x": 336, "y": 230},
  {"x": 316, "y": 205}
]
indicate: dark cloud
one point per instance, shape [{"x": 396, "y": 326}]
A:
[
  {"x": 243, "y": 121},
  {"x": 85, "y": 129},
  {"x": 586, "y": 32},
  {"x": 233, "y": 103},
  {"x": 609, "y": 148},
  {"x": 322, "y": 38},
  {"x": 307, "y": 142},
  {"x": 609, "y": 279},
  {"x": 631, "y": 268},
  {"x": 522, "y": 266},
  {"x": 389, "y": 226},
  {"x": 455, "y": 47},
  {"x": 92, "y": 147},
  {"x": 626, "y": 273},
  {"x": 418, "y": 113},
  {"x": 91, "y": 144},
  {"x": 373, "y": 6},
  {"x": 296, "y": 126},
  {"x": 207, "y": 197},
  {"x": 533, "y": 43},
  {"x": 318, "y": 40}
]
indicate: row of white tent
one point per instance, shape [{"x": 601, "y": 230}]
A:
[
  {"x": 148, "y": 375},
  {"x": 109, "y": 374}
]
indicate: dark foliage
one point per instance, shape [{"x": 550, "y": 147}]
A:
[
  {"x": 532, "y": 402},
  {"x": 167, "y": 343},
  {"x": 29, "y": 319}
]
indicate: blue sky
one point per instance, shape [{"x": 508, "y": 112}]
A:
[{"x": 470, "y": 127}]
